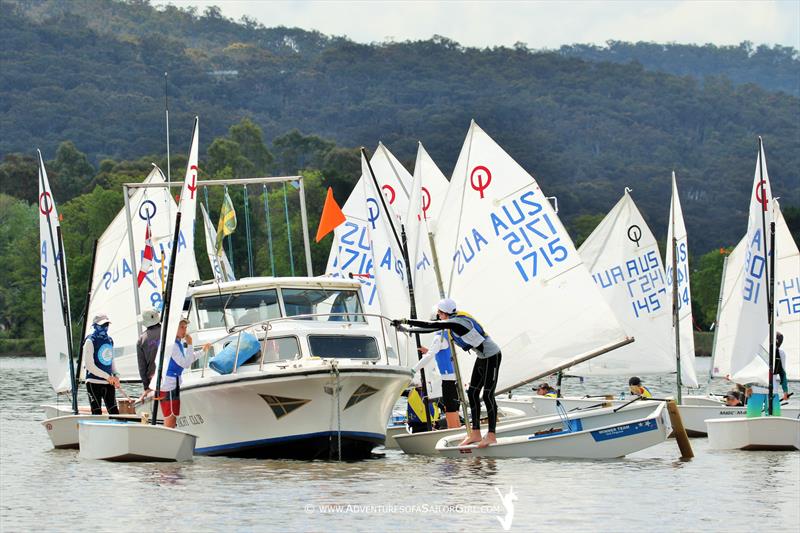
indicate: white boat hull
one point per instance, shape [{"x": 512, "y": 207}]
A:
[
  {"x": 596, "y": 434},
  {"x": 424, "y": 443},
  {"x": 294, "y": 412},
  {"x": 63, "y": 429},
  {"x": 119, "y": 441},
  {"x": 773, "y": 433},
  {"x": 695, "y": 416},
  {"x": 391, "y": 433}
]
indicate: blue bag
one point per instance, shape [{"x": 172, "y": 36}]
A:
[{"x": 224, "y": 360}]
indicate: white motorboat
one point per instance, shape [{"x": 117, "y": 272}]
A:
[
  {"x": 771, "y": 433},
  {"x": 324, "y": 378},
  {"x": 63, "y": 429},
  {"x": 592, "y": 434},
  {"x": 115, "y": 440}
]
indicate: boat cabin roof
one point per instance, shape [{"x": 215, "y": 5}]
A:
[{"x": 209, "y": 287}]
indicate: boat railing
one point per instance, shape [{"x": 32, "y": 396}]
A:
[{"x": 236, "y": 333}]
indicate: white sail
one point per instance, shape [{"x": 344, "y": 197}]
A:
[
  {"x": 56, "y": 340},
  {"x": 622, "y": 255},
  {"x": 787, "y": 293},
  {"x": 115, "y": 272},
  {"x": 511, "y": 264},
  {"x": 730, "y": 308},
  {"x": 351, "y": 255},
  {"x": 428, "y": 191},
  {"x": 685, "y": 323},
  {"x": 749, "y": 362},
  {"x": 220, "y": 266},
  {"x": 185, "y": 263},
  {"x": 787, "y": 302}
]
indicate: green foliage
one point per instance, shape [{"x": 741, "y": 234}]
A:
[
  {"x": 20, "y": 299},
  {"x": 72, "y": 171},
  {"x": 583, "y": 225},
  {"x": 706, "y": 279},
  {"x": 18, "y": 177}
]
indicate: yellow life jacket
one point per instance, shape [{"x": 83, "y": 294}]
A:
[{"x": 416, "y": 408}]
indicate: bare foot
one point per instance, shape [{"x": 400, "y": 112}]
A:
[
  {"x": 490, "y": 438},
  {"x": 472, "y": 437}
]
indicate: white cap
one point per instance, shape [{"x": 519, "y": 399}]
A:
[
  {"x": 447, "y": 306},
  {"x": 101, "y": 319},
  {"x": 150, "y": 317}
]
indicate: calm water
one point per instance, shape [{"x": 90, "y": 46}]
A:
[{"x": 45, "y": 489}]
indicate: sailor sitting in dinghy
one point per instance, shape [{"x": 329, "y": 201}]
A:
[
  {"x": 637, "y": 389},
  {"x": 470, "y": 336}
]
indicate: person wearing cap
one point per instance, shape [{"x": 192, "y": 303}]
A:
[
  {"x": 181, "y": 357},
  {"x": 468, "y": 334},
  {"x": 544, "y": 389},
  {"x": 439, "y": 353},
  {"x": 732, "y": 399},
  {"x": 101, "y": 374},
  {"x": 147, "y": 348},
  {"x": 757, "y": 403},
  {"x": 637, "y": 389}
]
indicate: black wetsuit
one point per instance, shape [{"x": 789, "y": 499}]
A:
[{"x": 484, "y": 373}]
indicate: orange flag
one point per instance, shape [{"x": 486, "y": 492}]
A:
[{"x": 331, "y": 217}]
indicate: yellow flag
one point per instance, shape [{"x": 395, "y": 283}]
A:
[{"x": 227, "y": 221}]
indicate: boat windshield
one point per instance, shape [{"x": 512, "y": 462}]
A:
[
  {"x": 240, "y": 308},
  {"x": 344, "y": 346},
  {"x": 323, "y": 301}
]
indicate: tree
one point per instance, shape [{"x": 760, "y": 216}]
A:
[
  {"x": 18, "y": 175},
  {"x": 705, "y": 280},
  {"x": 296, "y": 151},
  {"x": 72, "y": 171},
  {"x": 250, "y": 139},
  {"x": 584, "y": 225}
]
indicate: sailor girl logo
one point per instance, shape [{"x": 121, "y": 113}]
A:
[{"x": 105, "y": 354}]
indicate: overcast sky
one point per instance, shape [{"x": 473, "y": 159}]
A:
[{"x": 540, "y": 24}]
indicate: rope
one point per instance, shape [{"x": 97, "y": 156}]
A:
[
  {"x": 269, "y": 230},
  {"x": 247, "y": 231},
  {"x": 288, "y": 227}
]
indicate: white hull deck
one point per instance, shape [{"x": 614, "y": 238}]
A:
[
  {"x": 63, "y": 429},
  {"x": 770, "y": 433},
  {"x": 424, "y": 443},
  {"x": 595, "y": 434},
  {"x": 112, "y": 440},
  {"x": 695, "y": 416}
]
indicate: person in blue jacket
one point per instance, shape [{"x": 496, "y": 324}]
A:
[{"x": 101, "y": 374}]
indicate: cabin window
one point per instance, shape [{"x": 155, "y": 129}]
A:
[
  {"x": 344, "y": 347},
  {"x": 240, "y": 308},
  {"x": 281, "y": 349},
  {"x": 323, "y": 302}
]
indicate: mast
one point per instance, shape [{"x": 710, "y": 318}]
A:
[
  {"x": 165, "y": 314},
  {"x": 61, "y": 258},
  {"x": 413, "y": 311},
  {"x": 770, "y": 307},
  {"x": 770, "y": 270},
  {"x": 675, "y": 301},
  {"x": 461, "y": 399},
  {"x": 77, "y": 376}
]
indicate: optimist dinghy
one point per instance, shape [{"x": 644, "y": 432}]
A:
[
  {"x": 115, "y": 440},
  {"x": 771, "y": 433},
  {"x": 594, "y": 434}
]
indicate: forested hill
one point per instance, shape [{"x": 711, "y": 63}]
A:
[{"x": 586, "y": 121}]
